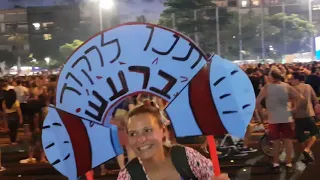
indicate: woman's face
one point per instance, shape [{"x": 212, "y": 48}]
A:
[{"x": 145, "y": 135}]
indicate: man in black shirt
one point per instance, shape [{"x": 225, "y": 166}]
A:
[
  {"x": 255, "y": 79},
  {"x": 314, "y": 81}
]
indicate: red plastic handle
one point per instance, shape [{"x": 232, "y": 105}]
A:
[{"x": 213, "y": 155}]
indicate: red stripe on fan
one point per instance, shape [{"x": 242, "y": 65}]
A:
[
  {"x": 202, "y": 104},
  {"x": 80, "y": 141}
]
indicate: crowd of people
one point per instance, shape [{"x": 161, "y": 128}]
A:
[
  {"x": 287, "y": 92},
  {"x": 24, "y": 102}
]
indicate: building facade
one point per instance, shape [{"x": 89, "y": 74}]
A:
[
  {"x": 14, "y": 32},
  {"x": 51, "y": 27}
]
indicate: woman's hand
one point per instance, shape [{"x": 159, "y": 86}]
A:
[{"x": 222, "y": 176}]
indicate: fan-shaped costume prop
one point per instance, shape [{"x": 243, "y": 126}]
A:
[{"x": 205, "y": 98}]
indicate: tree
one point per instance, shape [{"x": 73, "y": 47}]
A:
[
  {"x": 296, "y": 35},
  {"x": 57, "y": 59},
  {"x": 8, "y": 57},
  {"x": 17, "y": 42},
  {"x": 67, "y": 49},
  {"x": 251, "y": 36},
  {"x": 204, "y": 24},
  {"x": 142, "y": 19}
]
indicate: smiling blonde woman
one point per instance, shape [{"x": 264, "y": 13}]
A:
[{"x": 146, "y": 137}]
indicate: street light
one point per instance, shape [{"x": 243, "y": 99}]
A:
[{"x": 105, "y": 4}]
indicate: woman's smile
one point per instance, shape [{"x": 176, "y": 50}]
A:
[{"x": 145, "y": 148}]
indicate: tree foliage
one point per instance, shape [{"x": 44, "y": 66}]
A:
[
  {"x": 292, "y": 30},
  {"x": 180, "y": 15},
  {"x": 67, "y": 49},
  {"x": 295, "y": 35},
  {"x": 58, "y": 60},
  {"x": 142, "y": 19},
  {"x": 8, "y": 57},
  {"x": 195, "y": 16}
]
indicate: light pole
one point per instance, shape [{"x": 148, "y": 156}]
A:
[
  {"x": 263, "y": 51},
  {"x": 312, "y": 35},
  {"x": 195, "y": 18},
  {"x": 240, "y": 32},
  {"x": 284, "y": 26},
  {"x": 105, "y": 4},
  {"x": 218, "y": 30}
]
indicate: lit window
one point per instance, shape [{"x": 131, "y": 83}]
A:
[
  {"x": 244, "y": 3},
  {"x": 47, "y": 37},
  {"x": 47, "y": 24},
  {"x": 36, "y": 26},
  {"x": 255, "y": 2},
  {"x": 316, "y": 7}
]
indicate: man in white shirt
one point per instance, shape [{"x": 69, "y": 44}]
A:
[{"x": 21, "y": 91}]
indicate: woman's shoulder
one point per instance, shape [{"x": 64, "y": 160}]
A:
[
  {"x": 199, "y": 164},
  {"x": 194, "y": 155},
  {"x": 190, "y": 152}
]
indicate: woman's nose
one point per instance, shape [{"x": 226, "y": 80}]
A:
[{"x": 141, "y": 138}]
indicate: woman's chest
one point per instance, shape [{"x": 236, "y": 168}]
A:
[
  {"x": 166, "y": 172},
  {"x": 164, "y": 175}
]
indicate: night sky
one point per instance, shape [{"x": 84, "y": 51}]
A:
[{"x": 129, "y": 9}]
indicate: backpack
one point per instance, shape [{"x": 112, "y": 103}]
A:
[{"x": 179, "y": 160}]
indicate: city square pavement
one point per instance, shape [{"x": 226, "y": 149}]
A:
[{"x": 255, "y": 166}]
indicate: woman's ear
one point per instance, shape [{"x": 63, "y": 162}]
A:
[
  {"x": 163, "y": 130},
  {"x": 164, "y": 134}
]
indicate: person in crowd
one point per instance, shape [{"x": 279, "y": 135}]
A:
[
  {"x": 119, "y": 119},
  {"x": 52, "y": 84},
  {"x": 304, "y": 116},
  {"x": 22, "y": 95},
  {"x": 314, "y": 80},
  {"x": 35, "y": 141},
  {"x": 36, "y": 103},
  {"x": 255, "y": 77},
  {"x": 281, "y": 126},
  {"x": 9, "y": 84},
  {"x": 11, "y": 107},
  {"x": 3, "y": 119},
  {"x": 146, "y": 136}
]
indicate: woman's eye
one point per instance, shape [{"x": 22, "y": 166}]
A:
[
  {"x": 148, "y": 130},
  {"x": 132, "y": 134}
]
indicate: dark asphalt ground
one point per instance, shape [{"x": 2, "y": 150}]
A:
[{"x": 254, "y": 166}]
